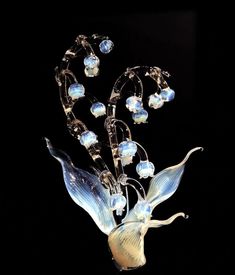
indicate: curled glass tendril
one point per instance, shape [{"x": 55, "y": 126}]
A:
[{"x": 104, "y": 195}]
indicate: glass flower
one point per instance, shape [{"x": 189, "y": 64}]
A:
[{"x": 104, "y": 195}]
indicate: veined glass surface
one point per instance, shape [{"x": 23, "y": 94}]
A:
[{"x": 87, "y": 191}]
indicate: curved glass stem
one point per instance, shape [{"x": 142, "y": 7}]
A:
[
  {"x": 65, "y": 77},
  {"x": 131, "y": 74},
  {"x": 141, "y": 152},
  {"x": 140, "y": 186}
]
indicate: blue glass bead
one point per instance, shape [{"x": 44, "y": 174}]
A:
[
  {"x": 145, "y": 169},
  {"x": 142, "y": 210},
  {"x": 127, "y": 149},
  {"x": 88, "y": 138},
  {"x": 155, "y": 101},
  {"x": 117, "y": 201},
  {"x": 167, "y": 94},
  {"x": 140, "y": 117},
  {"x": 106, "y": 46},
  {"x": 91, "y": 61},
  {"x": 76, "y": 91},
  {"x": 134, "y": 104},
  {"x": 98, "y": 109}
]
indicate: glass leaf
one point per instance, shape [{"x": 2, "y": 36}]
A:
[
  {"x": 165, "y": 183},
  {"x": 86, "y": 190}
]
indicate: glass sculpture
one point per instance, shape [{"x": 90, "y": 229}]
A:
[{"x": 103, "y": 194}]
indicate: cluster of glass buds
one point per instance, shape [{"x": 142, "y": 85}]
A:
[{"x": 105, "y": 195}]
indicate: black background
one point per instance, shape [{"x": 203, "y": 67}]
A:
[{"x": 191, "y": 44}]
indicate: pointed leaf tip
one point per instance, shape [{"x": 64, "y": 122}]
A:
[
  {"x": 189, "y": 154},
  {"x": 48, "y": 142}
]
